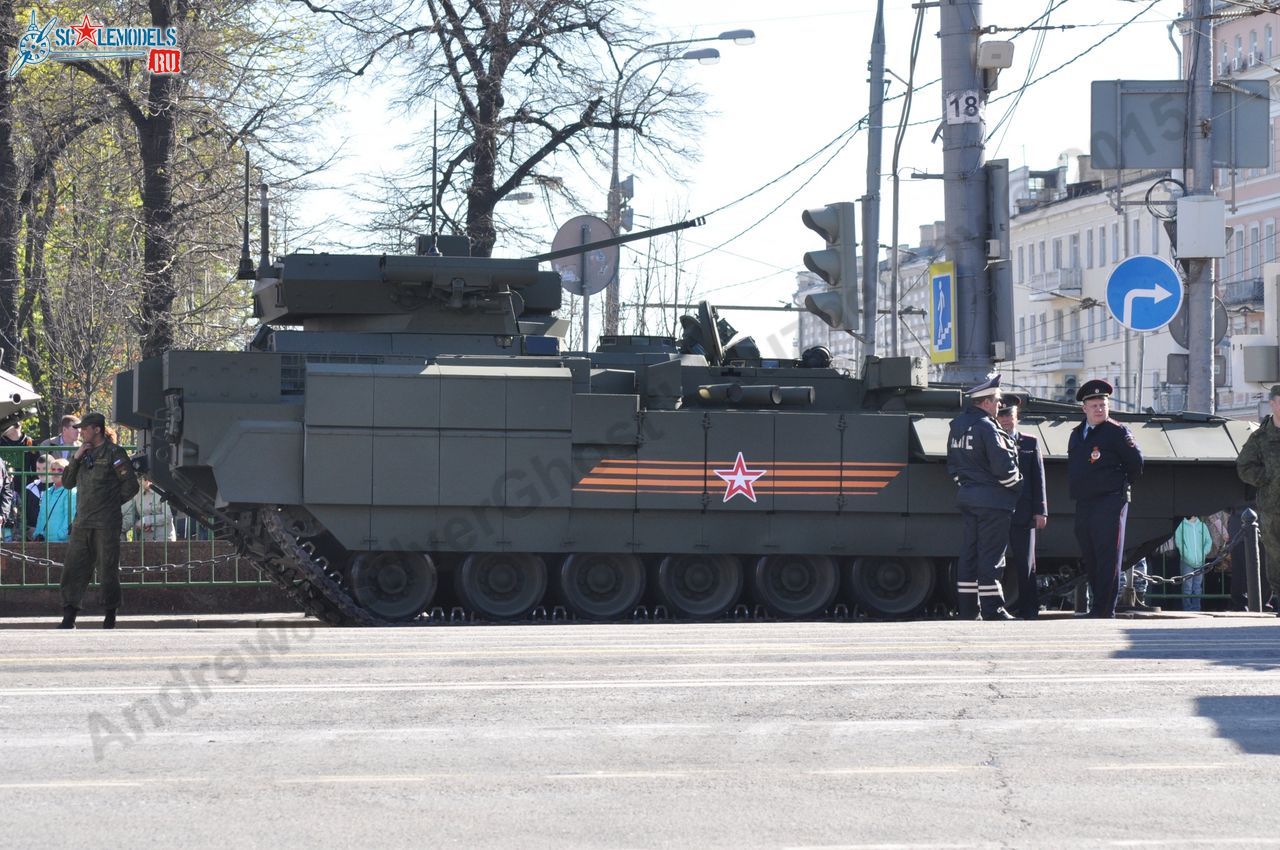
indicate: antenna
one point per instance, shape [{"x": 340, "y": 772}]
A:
[
  {"x": 264, "y": 253},
  {"x": 245, "y": 272},
  {"x": 434, "y": 249}
]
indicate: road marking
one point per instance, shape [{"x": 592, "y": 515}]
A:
[
  {"x": 634, "y": 774},
  {"x": 1165, "y": 766},
  {"x": 906, "y": 769},
  {"x": 72, "y": 783},
  {"x": 661, "y": 683},
  {"x": 944, "y": 649},
  {"x": 363, "y": 780}
]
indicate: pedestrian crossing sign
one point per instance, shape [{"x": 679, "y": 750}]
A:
[{"x": 942, "y": 299}]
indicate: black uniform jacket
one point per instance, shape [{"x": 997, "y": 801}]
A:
[
  {"x": 1031, "y": 500},
  {"x": 982, "y": 459},
  {"x": 1103, "y": 464}
]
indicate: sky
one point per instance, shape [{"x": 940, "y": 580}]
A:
[{"x": 772, "y": 105}]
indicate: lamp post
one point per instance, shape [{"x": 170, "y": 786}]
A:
[{"x": 705, "y": 56}]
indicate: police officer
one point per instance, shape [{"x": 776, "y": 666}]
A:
[
  {"x": 1031, "y": 514},
  {"x": 983, "y": 461},
  {"x": 1103, "y": 461},
  {"x": 105, "y": 480}
]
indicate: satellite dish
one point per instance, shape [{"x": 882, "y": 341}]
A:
[{"x": 586, "y": 273}]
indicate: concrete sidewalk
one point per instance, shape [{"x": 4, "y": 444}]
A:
[{"x": 261, "y": 621}]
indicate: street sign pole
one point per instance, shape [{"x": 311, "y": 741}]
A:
[
  {"x": 965, "y": 187},
  {"x": 1200, "y": 394}
]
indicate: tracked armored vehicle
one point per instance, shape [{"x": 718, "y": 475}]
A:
[{"x": 405, "y": 434}]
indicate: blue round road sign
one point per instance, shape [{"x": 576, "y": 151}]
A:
[{"x": 1144, "y": 293}]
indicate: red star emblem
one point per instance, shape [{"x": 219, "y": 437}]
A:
[
  {"x": 86, "y": 32},
  {"x": 739, "y": 479}
]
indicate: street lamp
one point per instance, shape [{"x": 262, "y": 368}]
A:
[{"x": 703, "y": 56}]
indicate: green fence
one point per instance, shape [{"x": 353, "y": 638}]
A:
[{"x": 192, "y": 558}]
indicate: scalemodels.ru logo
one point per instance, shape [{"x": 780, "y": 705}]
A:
[{"x": 88, "y": 40}]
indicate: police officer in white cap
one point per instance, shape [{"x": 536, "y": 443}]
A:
[{"x": 983, "y": 460}]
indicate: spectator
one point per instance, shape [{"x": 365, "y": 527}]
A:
[
  {"x": 68, "y": 435},
  {"x": 57, "y": 508},
  {"x": 23, "y": 467},
  {"x": 32, "y": 494},
  {"x": 148, "y": 516},
  {"x": 1194, "y": 544}
]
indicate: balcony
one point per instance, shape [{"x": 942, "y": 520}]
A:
[
  {"x": 1237, "y": 293},
  {"x": 1046, "y": 286},
  {"x": 1054, "y": 356}
]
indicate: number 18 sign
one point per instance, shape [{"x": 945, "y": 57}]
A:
[{"x": 962, "y": 107}]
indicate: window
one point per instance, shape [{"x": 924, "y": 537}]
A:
[
  {"x": 1031, "y": 255},
  {"x": 1254, "y": 268},
  {"x": 1239, "y": 51},
  {"x": 1022, "y": 332},
  {"x": 1269, "y": 243},
  {"x": 1057, "y": 254},
  {"x": 1115, "y": 243},
  {"x": 1022, "y": 264},
  {"x": 1089, "y": 324},
  {"x": 1044, "y": 267},
  {"x": 1266, "y": 43},
  {"x": 1058, "y": 328},
  {"x": 1238, "y": 253},
  {"x": 1102, "y": 245},
  {"x": 1253, "y": 43},
  {"x": 1155, "y": 235},
  {"x": 1075, "y": 326},
  {"x": 1088, "y": 248},
  {"x": 1031, "y": 336},
  {"x": 1073, "y": 251},
  {"x": 1136, "y": 247}
]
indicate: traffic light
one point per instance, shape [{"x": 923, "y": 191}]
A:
[{"x": 836, "y": 264}]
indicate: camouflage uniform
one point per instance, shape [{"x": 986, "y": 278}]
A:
[
  {"x": 1259, "y": 465},
  {"x": 104, "y": 480}
]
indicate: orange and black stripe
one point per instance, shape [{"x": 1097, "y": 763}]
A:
[{"x": 783, "y": 478}]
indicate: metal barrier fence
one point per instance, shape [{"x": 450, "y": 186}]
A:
[{"x": 192, "y": 558}]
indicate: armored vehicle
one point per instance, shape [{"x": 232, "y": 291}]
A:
[{"x": 405, "y": 434}]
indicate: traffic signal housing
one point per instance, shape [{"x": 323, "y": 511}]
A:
[{"x": 836, "y": 264}]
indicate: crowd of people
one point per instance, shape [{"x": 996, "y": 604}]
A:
[{"x": 999, "y": 473}]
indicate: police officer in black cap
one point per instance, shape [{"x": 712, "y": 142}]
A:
[
  {"x": 1103, "y": 461},
  {"x": 982, "y": 459},
  {"x": 1031, "y": 514}
]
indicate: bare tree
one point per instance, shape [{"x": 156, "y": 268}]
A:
[{"x": 526, "y": 88}]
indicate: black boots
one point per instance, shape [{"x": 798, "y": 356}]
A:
[
  {"x": 998, "y": 614},
  {"x": 109, "y": 620},
  {"x": 68, "y": 618}
]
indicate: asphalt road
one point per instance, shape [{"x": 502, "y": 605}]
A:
[{"x": 1058, "y": 733}]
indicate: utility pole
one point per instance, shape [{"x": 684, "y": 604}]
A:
[
  {"x": 965, "y": 186},
  {"x": 613, "y": 218},
  {"x": 871, "y": 201},
  {"x": 1200, "y": 394}
]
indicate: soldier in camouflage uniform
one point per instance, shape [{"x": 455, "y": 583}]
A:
[
  {"x": 104, "y": 480},
  {"x": 1259, "y": 465}
]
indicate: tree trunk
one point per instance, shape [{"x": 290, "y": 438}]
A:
[
  {"x": 8, "y": 205},
  {"x": 157, "y": 136}
]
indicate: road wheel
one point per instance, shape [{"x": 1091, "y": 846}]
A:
[
  {"x": 700, "y": 587},
  {"x": 891, "y": 587},
  {"x": 502, "y": 585},
  {"x": 795, "y": 586},
  {"x": 601, "y": 586},
  {"x": 393, "y": 585}
]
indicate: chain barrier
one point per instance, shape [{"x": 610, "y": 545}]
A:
[
  {"x": 156, "y": 568},
  {"x": 1179, "y": 579}
]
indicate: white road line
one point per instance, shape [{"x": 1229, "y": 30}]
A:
[
  {"x": 905, "y": 769},
  {"x": 1128, "y": 678},
  {"x": 1170, "y": 766},
  {"x": 635, "y": 774},
  {"x": 71, "y": 783}
]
